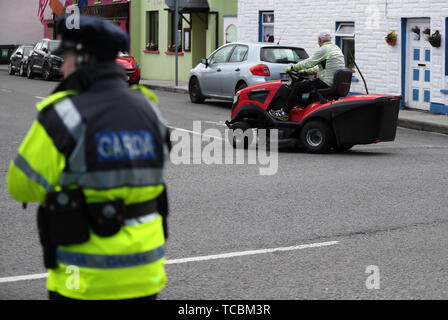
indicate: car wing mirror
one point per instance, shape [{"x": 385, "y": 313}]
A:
[{"x": 205, "y": 62}]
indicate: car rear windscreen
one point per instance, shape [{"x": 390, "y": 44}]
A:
[
  {"x": 27, "y": 50},
  {"x": 282, "y": 54}
]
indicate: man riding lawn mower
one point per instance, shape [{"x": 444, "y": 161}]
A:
[{"x": 324, "y": 62}]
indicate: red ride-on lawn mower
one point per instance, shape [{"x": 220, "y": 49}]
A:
[{"x": 329, "y": 121}]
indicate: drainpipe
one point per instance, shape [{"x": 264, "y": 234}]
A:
[
  {"x": 217, "y": 29},
  {"x": 176, "y": 25}
]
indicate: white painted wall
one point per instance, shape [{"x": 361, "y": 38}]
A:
[{"x": 301, "y": 21}]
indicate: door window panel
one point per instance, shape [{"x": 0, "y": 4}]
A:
[
  {"x": 239, "y": 54},
  {"x": 222, "y": 55},
  {"x": 416, "y": 54}
]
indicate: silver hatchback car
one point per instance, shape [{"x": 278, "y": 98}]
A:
[{"x": 237, "y": 65}]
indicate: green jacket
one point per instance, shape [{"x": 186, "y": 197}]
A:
[{"x": 328, "y": 52}]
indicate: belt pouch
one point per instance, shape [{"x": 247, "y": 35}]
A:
[
  {"x": 106, "y": 218},
  {"x": 49, "y": 249},
  {"x": 67, "y": 217}
]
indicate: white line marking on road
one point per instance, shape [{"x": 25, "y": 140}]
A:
[
  {"x": 221, "y": 123},
  {"x": 200, "y": 258},
  {"x": 6, "y": 90},
  {"x": 251, "y": 252},
  {"x": 39, "y": 97},
  {"x": 194, "y": 132},
  {"x": 22, "y": 278}
]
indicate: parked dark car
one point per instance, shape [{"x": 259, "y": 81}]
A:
[
  {"x": 19, "y": 60},
  {"x": 42, "y": 61}
]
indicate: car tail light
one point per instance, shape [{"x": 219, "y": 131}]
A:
[{"x": 260, "y": 70}]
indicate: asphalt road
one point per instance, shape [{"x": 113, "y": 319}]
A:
[{"x": 381, "y": 205}]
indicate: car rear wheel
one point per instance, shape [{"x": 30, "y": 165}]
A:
[
  {"x": 46, "y": 73},
  {"x": 240, "y": 86},
  {"x": 195, "y": 91},
  {"x": 317, "y": 137},
  {"x": 29, "y": 72},
  {"x": 10, "y": 70}
]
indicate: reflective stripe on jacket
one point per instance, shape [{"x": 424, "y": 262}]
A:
[
  {"x": 128, "y": 264},
  {"x": 329, "y": 54}
]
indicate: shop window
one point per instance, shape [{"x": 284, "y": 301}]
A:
[
  {"x": 153, "y": 30},
  {"x": 173, "y": 33},
  {"x": 266, "y": 32},
  {"x": 345, "y": 39}
]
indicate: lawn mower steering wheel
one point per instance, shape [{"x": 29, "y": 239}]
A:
[{"x": 296, "y": 76}]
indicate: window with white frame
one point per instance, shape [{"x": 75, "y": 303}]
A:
[
  {"x": 267, "y": 26},
  {"x": 345, "y": 38}
]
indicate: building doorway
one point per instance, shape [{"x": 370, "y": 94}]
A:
[{"x": 418, "y": 65}]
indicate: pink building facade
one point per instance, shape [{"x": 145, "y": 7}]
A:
[{"x": 117, "y": 11}]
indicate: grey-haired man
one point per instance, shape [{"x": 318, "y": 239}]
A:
[{"x": 324, "y": 62}]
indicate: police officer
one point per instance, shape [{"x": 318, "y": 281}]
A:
[{"x": 94, "y": 161}]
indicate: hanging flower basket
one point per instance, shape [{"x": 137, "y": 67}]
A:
[
  {"x": 391, "y": 38},
  {"x": 435, "y": 39},
  {"x": 426, "y": 33},
  {"x": 416, "y": 33}
]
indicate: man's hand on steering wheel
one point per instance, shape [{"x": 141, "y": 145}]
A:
[{"x": 295, "y": 75}]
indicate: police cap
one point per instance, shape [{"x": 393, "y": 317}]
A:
[{"x": 99, "y": 37}]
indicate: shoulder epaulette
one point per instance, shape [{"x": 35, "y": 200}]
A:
[{"x": 52, "y": 99}]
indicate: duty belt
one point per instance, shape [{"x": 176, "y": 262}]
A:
[
  {"x": 132, "y": 211},
  {"x": 106, "y": 218}
]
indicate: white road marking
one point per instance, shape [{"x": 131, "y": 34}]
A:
[
  {"x": 195, "y": 259},
  {"x": 39, "y": 97},
  {"x": 6, "y": 90},
  {"x": 22, "y": 278},
  {"x": 251, "y": 252},
  {"x": 220, "y": 123},
  {"x": 194, "y": 132}
]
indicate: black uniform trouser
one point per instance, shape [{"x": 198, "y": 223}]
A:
[
  {"x": 299, "y": 88},
  {"x": 56, "y": 296}
]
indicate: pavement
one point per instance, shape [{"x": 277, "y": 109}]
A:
[{"x": 407, "y": 118}]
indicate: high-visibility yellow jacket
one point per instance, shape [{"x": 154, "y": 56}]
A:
[{"x": 60, "y": 150}]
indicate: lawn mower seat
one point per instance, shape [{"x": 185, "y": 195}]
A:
[{"x": 342, "y": 81}]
